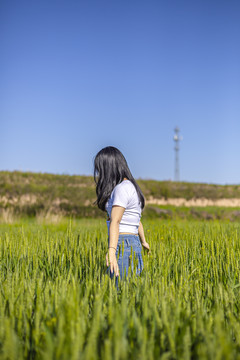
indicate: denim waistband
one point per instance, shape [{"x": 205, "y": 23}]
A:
[{"x": 128, "y": 235}]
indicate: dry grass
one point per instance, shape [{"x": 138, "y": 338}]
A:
[
  {"x": 7, "y": 216},
  {"x": 48, "y": 217}
]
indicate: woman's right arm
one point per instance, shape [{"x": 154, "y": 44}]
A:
[{"x": 142, "y": 236}]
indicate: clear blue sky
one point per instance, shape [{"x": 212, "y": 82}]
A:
[{"x": 77, "y": 76}]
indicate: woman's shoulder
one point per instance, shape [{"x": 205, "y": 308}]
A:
[
  {"x": 125, "y": 184},
  {"x": 125, "y": 192},
  {"x": 125, "y": 187}
]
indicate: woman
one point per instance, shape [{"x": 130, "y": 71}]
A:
[{"x": 120, "y": 196}]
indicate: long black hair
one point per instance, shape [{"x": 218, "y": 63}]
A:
[{"x": 110, "y": 168}]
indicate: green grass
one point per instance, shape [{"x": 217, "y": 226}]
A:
[
  {"x": 57, "y": 302},
  {"x": 192, "y": 213}
]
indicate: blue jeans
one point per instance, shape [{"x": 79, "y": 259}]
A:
[{"x": 129, "y": 256}]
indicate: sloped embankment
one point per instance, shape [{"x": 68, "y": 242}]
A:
[{"x": 25, "y": 193}]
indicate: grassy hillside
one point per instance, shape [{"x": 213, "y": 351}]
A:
[{"x": 37, "y": 193}]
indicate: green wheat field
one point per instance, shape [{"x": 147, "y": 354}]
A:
[{"x": 57, "y": 302}]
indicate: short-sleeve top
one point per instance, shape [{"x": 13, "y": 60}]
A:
[{"x": 125, "y": 195}]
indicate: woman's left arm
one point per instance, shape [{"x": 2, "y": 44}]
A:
[{"x": 116, "y": 217}]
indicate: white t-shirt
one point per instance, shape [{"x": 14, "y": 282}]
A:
[{"x": 125, "y": 195}]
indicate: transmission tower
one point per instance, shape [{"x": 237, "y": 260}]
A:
[{"x": 177, "y": 139}]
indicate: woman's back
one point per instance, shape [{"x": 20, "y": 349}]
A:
[{"x": 125, "y": 195}]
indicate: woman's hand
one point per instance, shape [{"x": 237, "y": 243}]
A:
[
  {"x": 146, "y": 245},
  {"x": 111, "y": 254}
]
